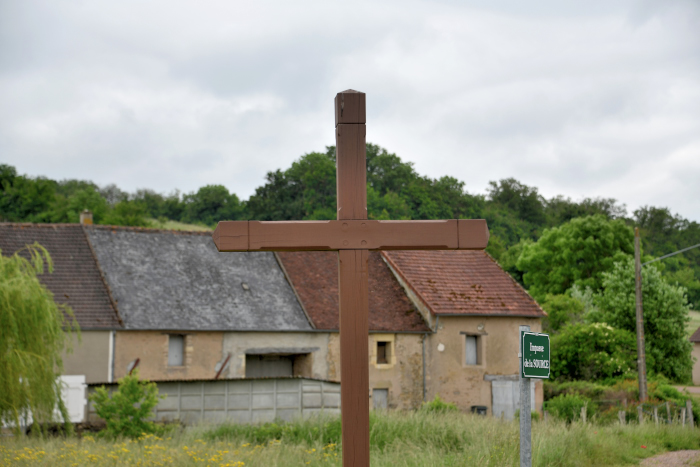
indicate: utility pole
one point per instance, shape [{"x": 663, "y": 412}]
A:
[{"x": 641, "y": 357}]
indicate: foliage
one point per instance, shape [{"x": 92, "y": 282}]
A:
[
  {"x": 592, "y": 352},
  {"x": 665, "y": 315},
  {"x": 211, "y": 204},
  {"x": 127, "y": 410},
  {"x": 438, "y": 405},
  {"x": 589, "y": 389},
  {"x": 32, "y": 339},
  {"x": 576, "y": 253},
  {"x": 568, "y": 406},
  {"x": 561, "y": 310}
]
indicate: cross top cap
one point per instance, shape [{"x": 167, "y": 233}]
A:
[{"x": 350, "y": 107}]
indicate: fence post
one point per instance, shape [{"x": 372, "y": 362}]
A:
[
  {"x": 583, "y": 414},
  {"x": 621, "y": 415},
  {"x": 656, "y": 415},
  {"x": 668, "y": 413},
  {"x": 640, "y": 414},
  {"x": 689, "y": 412},
  {"x": 683, "y": 417}
]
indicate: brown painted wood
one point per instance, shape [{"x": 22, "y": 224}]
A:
[
  {"x": 473, "y": 234},
  {"x": 351, "y": 169},
  {"x": 463, "y": 234},
  {"x": 352, "y": 235},
  {"x": 231, "y": 236},
  {"x": 350, "y": 107},
  {"x": 354, "y": 355},
  {"x": 351, "y": 183}
]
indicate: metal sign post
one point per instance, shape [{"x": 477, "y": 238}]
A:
[{"x": 534, "y": 363}]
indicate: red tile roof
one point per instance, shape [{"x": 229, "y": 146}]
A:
[
  {"x": 76, "y": 279},
  {"x": 314, "y": 275},
  {"x": 696, "y": 336},
  {"x": 462, "y": 283}
]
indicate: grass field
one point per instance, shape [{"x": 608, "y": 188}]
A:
[
  {"x": 175, "y": 225},
  {"x": 397, "y": 439}
]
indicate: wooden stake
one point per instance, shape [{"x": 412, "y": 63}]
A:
[{"x": 689, "y": 411}]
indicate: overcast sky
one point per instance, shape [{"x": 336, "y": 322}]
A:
[{"x": 583, "y": 99}]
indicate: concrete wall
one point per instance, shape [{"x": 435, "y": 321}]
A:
[
  {"x": 314, "y": 343},
  {"x": 203, "y": 350},
  {"x": 90, "y": 357},
  {"x": 696, "y": 365},
  {"x": 242, "y": 401},
  {"x": 467, "y": 385}
]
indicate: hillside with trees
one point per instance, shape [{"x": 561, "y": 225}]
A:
[{"x": 572, "y": 256}]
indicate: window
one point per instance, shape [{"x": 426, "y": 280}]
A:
[
  {"x": 471, "y": 350},
  {"x": 383, "y": 352},
  {"x": 176, "y": 350}
]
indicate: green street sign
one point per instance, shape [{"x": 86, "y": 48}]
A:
[{"x": 535, "y": 355}]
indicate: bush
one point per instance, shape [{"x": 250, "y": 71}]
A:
[
  {"x": 568, "y": 406},
  {"x": 438, "y": 405},
  {"x": 593, "y": 352},
  {"x": 126, "y": 412}
]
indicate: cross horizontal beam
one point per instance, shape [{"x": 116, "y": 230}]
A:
[{"x": 455, "y": 234}]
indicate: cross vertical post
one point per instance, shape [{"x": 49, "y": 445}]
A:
[{"x": 353, "y": 279}]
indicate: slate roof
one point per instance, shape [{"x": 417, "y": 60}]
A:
[
  {"x": 696, "y": 336},
  {"x": 76, "y": 280},
  {"x": 314, "y": 275},
  {"x": 170, "y": 280},
  {"x": 460, "y": 282}
]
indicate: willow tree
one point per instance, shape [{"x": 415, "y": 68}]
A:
[{"x": 32, "y": 339}]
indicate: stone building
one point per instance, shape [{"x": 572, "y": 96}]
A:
[
  {"x": 695, "y": 339},
  {"x": 441, "y": 323}
]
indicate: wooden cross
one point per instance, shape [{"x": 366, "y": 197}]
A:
[{"x": 352, "y": 235}]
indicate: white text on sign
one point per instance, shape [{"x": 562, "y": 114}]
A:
[
  {"x": 536, "y": 348},
  {"x": 536, "y": 363}
]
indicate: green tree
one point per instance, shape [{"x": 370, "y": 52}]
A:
[
  {"x": 576, "y": 253},
  {"x": 665, "y": 316},
  {"x": 126, "y": 213},
  {"x": 524, "y": 200},
  {"x": 562, "y": 310},
  {"x": 127, "y": 410},
  {"x": 592, "y": 352},
  {"x": 32, "y": 339},
  {"x": 211, "y": 204}
]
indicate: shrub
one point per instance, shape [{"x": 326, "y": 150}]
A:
[
  {"x": 593, "y": 352},
  {"x": 568, "y": 406},
  {"x": 126, "y": 412},
  {"x": 438, "y": 405}
]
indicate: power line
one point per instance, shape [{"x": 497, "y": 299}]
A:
[{"x": 671, "y": 254}]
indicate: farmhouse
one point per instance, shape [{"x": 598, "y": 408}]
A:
[{"x": 166, "y": 302}]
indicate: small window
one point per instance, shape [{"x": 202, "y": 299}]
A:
[
  {"x": 472, "y": 350},
  {"x": 383, "y": 352},
  {"x": 176, "y": 350}
]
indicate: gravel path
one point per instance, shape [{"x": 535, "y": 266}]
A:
[{"x": 673, "y": 459}]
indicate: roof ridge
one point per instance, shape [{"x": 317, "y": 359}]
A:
[
  {"x": 129, "y": 228},
  {"x": 107, "y": 227}
]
